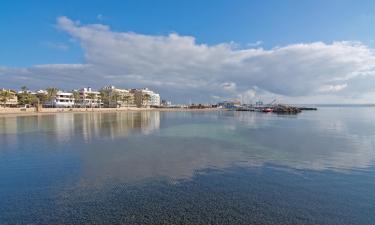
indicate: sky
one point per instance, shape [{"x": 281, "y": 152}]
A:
[{"x": 200, "y": 51}]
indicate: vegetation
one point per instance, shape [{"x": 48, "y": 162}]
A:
[
  {"x": 26, "y": 98},
  {"x": 127, "y": 98},
  {"x": 104, "y": 96},
  {"x": 115, "y": 97},
  {"x": 5, "y": 95},
  {"x": 92, "y": 97},
  {"x": 145, "y": 99},
  {"x": 77, "y": 97},
  {"x": 41, "y": 98},
  {"x": 51, "y": 93}
]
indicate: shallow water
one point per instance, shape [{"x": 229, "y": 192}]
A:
[{"x": 223, "y": 167}]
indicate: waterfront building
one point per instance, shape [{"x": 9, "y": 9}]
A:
[
  {"x": 113, "y": 97},
  {"x": 8, "y": 98},
  {"x": 146, "y": 98},
  {"x": 86, "y": 97},
  {"x": 229, "y": 104},
  {"x": 60, "y": 100},
  {"x": 259, "y": 103},
  {"x": 166, "y": 103}
]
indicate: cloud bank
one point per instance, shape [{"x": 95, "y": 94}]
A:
[{"x": 182, "y": 69}]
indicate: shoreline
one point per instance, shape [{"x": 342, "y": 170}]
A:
[{"x": 46, "y": 111}]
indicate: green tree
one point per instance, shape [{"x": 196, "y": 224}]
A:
[
  {"x": 104, "y": 96},
  {"x": 41, "y": 98},
  {"x": 145, "y": 99},
  {"x": 115, "y": 97},
  {"x": 51, "y": 93},
  {"x": 25, "y": 97},
  {"x": 77, "y": 98},
  {"x": 92, "y": 97},
  {"x": 5, "y": 95},
  {"x": 127, "y": 98}
]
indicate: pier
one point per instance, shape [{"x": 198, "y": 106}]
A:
[{"x": 279, "y": 109}]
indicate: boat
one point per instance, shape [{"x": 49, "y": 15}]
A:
[{"x": 267, "y": 110}]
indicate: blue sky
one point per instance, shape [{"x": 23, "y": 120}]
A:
[
  {"x": 31, "y": 35},
  {"x": 28, "y": 27}
]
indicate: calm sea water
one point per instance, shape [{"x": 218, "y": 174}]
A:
[{"x": 189, "y": 168}]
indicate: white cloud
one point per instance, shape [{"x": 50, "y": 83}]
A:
[
  {"x": 255, "y": 44},
  {"x": 182, "y": 69},
  {"x": 332, "y": 88},
  {"x": 59, "y": 46}
]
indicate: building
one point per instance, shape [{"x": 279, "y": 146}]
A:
[
  {"x": 116, "y": 98},
  {"x": 8, "y": 98},
  {"x": 146, "y": 98},
  {"x": 88, "y": 98},
  {"x": 166, "y": 103},
  {"x": 61, "y": 100},
  {"x": 259, "y": 103},
  {"x": 229, "y": 104}
]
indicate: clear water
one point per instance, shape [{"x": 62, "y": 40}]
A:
[{"x": 189, "y": 168}]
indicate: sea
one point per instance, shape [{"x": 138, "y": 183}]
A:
[{"x": 197, "y": 167}]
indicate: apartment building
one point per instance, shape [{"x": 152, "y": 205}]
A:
[
  {"x": 146, "y": 98},
  {"x": 61, "y": 100},
  {"x": 117, "y": 98},
  {"x": 88, "y": 98},
  {"x": 8, "y": 98}
]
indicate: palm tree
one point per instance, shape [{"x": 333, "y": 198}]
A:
[
  {"x": 32, "y": 99},
  {"x": 5, "y": 95},
  {"x": 92, "y": 97},
  {"x": 115, "y": 96},
  {"x": 104, "y": 96},
  {"x": 51, "y": 93},
  {"x": 42, "y": 98},
  {"x": 145, "y": 99},
  {"x": 126, "y": 98},
  {"x": 26, "y": 98},
  {"x": 77, "y": 97}
]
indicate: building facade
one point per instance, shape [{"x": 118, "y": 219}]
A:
[
  {"x": 117, "y": 98},
  {"x": 61, "y": 100},
  {"x": 88, "y": 98},
  {"x": 229, "y": 104},
  {"x": 8, "y": 98},
  {"x": 146, "y": 98}
]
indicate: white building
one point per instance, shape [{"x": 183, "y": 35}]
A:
[
  {"x": 145, "y": 97},
  {"x": 11, "y": 101},
  {"x": 117, "y": 98},
  {"x": 88, "y": 98},
  {"x": 61, "y": 100}
]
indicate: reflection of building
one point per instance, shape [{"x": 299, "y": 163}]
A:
[
  {"x": 88, "y": 98},
  {"x": 118, "y": 124},
  {"x": 11, "y": 100},
  {"x": 116, "y": 98},
  {"x": 150, "y": 121},
  {"x": 61, "y": 100},
  {"x": 145, "y": 97}
]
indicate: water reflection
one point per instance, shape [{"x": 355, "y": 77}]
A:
[
  {"x": 137, "y": 146},
  {"x": 67, "y": 127},
  {"x": 100, "y": 167}
]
